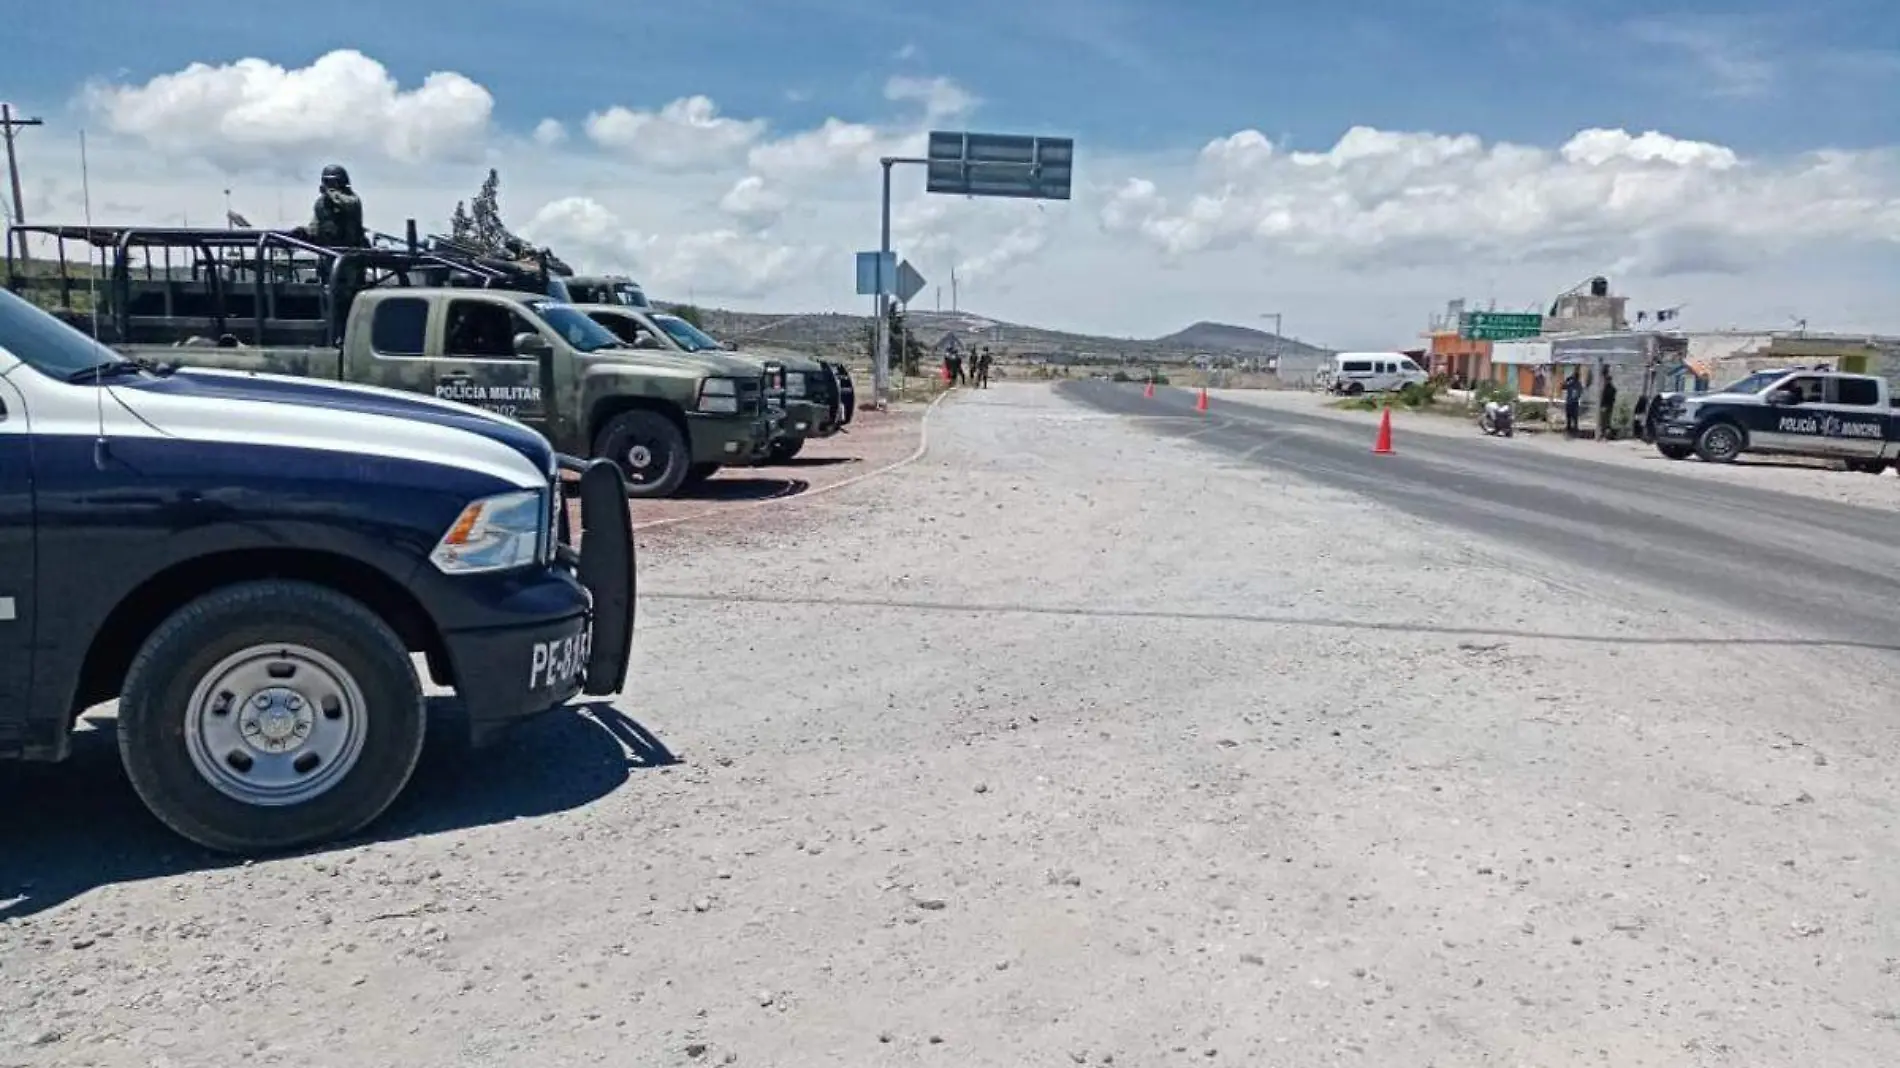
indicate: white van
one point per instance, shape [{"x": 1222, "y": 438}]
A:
[{"x": 1374, "y": 372}]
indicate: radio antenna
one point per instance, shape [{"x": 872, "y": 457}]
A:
[{"x": 92, "y": 298}]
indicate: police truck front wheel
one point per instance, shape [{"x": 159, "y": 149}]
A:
[
  {"x": 1719, "y": 443},
  {"x": 785, "y": 448},
  {"x": 650, "y": 449},
  {"x": 270, "y": 715}
]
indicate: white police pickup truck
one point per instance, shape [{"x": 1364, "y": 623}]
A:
[
  {"x": 1798, "y": 412},
  {"x": 248, "y": 562}
]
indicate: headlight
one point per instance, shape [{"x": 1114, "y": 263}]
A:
[
  {"x": 794, "y": 383},
  {"x": 719, "y": 396},
  {"x": 494, "y": 534}
]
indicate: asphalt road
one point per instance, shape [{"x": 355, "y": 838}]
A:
[{"x": 1820, "y": 571}]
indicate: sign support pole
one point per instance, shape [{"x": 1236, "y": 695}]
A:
[{"x": 881, "y": 359}]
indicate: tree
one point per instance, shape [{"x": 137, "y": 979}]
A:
[
  {"x": 461, "y": 225},
  {"x": 691, "y": 314},
  {"x": 906, "y": 351},
  {"x": 490, "y": 233}
]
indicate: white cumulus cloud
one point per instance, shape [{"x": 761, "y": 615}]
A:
[
  {"x": 721, "y": 263},
  {"x": 941, "y": 97},
  {"x": 753, "y": 202},
  {"x": 1646, "y": 201},
  {"x": 687, "y": 134},
  {"x": 257, "y": 113},
  {"x": 549, "y": 132}
]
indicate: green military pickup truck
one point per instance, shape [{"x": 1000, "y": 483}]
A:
[
  {"x": 425, "y": 322},
  {"x": 815, "y": 399}
]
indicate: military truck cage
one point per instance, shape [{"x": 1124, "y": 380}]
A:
[{"x": 181, "y": 286}]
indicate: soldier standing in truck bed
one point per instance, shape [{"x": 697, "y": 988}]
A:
[
  {"x": 337, "y": 222},
  {"x": 337, "y": 219}
]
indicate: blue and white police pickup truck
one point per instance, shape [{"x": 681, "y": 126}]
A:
[
  {"x": 247, "y": 563},
  {"x": 1786, "y": 412}
]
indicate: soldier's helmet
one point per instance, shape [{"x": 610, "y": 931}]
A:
[{"x": 335, "y": 177}]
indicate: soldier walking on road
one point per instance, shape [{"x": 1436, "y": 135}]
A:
[{"x": 983, "y": 369}]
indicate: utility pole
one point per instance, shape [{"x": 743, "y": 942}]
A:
[
  {"x": 8, "y": 126},
  {"x": 1274, "y": 357}
]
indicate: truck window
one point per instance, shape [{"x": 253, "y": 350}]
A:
[
  {"x": 1806, "y": 387},
  {"x": 400, "y": 327},
  {"x": 484, "y": 330},
  {"x": 1360, "y": 366},
  {"x": 619, "y": 325},
  {"x": 1863, "y": 392}
]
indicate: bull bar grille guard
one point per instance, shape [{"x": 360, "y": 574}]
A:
[{"x": 603, "y": 561}]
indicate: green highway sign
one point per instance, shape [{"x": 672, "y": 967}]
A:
[{"x": 1499, "y": 326}]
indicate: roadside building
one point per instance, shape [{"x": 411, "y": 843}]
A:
[
  {"x": 1301, "y": 370},
  {"x": 1716, "y": 357},
  {"x": 1588, "y": 308},
  {"x": 1463, "y": 360},
  {"x": 1524, "y": 366}
]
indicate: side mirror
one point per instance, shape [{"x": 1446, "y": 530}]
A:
[
  {"x": 644, "y": 340},
  {"x": 1784, "y": 398},
  {"x": 531, "y": 344}
]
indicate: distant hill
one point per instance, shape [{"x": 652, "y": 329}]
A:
[
  {"x": 1225, "y": 337},
  {"x": 842, "y": 336}
]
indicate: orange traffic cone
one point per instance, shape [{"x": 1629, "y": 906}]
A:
[
  {"x": 1383, "y": 446},
  {"x": 1201, "y": 405},
  {"x": 1149, "y": 391}
]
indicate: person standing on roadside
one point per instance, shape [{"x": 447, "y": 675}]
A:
[
  {"x": 1573, "y": 403},
  {"x": 983, "y": 369},
  {"x": 1606, "y": 406}
]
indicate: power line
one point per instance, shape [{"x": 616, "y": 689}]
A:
[{"x": 8, "y": 127}]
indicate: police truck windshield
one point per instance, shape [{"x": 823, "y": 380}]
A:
[
  {"x": 688, "y": 336},
  {"x": 584, "y": 334},
  {"x": 50, "y": 346}
]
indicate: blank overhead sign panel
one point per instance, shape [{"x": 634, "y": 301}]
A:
[{"x": 1000, "y": 165}]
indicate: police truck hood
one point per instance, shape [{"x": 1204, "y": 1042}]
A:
[{"x": 244, "y": 406}]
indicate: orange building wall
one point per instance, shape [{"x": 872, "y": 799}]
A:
[{"x": 1457, "y": 356}]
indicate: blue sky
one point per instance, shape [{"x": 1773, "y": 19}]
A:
[
  {"x": 1116, "y": 73},
  {"x": 1217, "y": 177}
]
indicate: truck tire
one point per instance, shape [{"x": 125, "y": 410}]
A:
[
  {"x": 1867, "y": 467},
  {"x": 1720, "y": 443},
  {"x": 785, "y": 448},
  {"x": 270, "y": 715},
  {"x": 1675, "y": 450},
  {"x": 649, "y": 449}
]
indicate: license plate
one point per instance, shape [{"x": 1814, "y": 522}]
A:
[{"x": 560, "y": 664}]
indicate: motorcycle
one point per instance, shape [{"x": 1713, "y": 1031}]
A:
[{"x": 1497, "y": 419}]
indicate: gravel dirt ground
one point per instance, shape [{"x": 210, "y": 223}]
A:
[
  {"x": 731, "y": 500},
  {"x": 1818, "y": 479},
  {"x": 1059, "y": 746}
]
